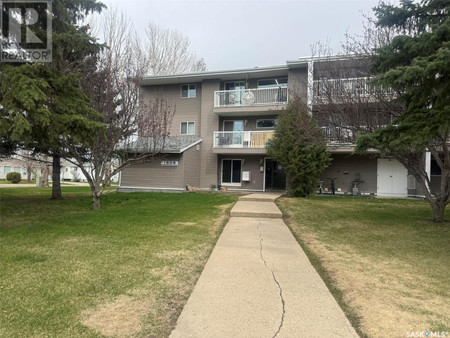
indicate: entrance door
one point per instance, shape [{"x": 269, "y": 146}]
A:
[
  {"x": 392, "y": 178},
  {"x": 275, "y": 176}
]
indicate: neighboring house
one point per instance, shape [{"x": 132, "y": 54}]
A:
[
  {"x": 12, "y": 165},
  {"x": 223, "y": 120}
]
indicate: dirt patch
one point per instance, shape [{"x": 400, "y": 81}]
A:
[
  {"x": 121, "y": 318},
  {"x": 183, "y": 223}
]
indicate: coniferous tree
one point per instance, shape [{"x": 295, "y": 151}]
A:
[
  {"x": 41, "y": 103},
  {"x": 416, "y": 65},
  {"x": 300, "y": 146}
]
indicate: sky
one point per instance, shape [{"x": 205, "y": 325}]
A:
[{"x": 249, "y": 33}]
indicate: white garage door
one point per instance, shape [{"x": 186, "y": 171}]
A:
[{"x": 392, "y": 178}]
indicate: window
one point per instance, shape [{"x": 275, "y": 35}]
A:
[
  {"x": 187, "y": 128},
  {"x": 273, "y": 83},
  {"x": 188, "y": 90},
  {"x": 7, "y": 170},
  {"x": 266, "y": 123},
  {"x": 231, "y": 172}
]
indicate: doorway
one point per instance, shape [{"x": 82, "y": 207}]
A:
[{"x": 275, "y": 177}]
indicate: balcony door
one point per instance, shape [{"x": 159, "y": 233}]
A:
[
  {"x": 231, "y": 172},
  {"x": 235, "y": 132},
  {"x": 236, "y": 88}
]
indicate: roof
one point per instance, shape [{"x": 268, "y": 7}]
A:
[
  {"x": 272, "y": 71},
  {"x": 172, "y": 144}
]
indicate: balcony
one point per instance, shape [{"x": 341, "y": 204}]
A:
[
  {"x": 250, "y": 97},
  {"x": 339, "y": 136},
  {"x": 246, "y": 142},
  {"x": 347, "y": 90}
]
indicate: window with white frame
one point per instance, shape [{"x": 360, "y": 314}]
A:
[
  {"x": 187, "y": 128},
  {"x": 189, "y": 91},
  {"x": 266, "y": 123}
]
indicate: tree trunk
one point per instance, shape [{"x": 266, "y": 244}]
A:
[
  {"x": 29, "y": 172},
  {"x": 438, "y": 208},
  {"x": 44, "y": 176},
  {"x": 95, "y": 200},
  {"x": 56, "y": 177}
]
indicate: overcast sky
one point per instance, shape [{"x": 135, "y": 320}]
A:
[{"x": 240, "y": 34}]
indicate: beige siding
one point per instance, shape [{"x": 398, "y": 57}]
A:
[
  {"x": 209, "y": 123},
  {"x": 251, "y": 121},
  {"x": 191, "y": 159},
  {"x": 153, "y": 175},
  {"x": 186, "y": 109},
  {"x": 344, "y": 169}
]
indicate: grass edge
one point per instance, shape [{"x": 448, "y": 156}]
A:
[{"x": 326, "y": 277}]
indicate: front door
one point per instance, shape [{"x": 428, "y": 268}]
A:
[{"x": 275, "y": 176}]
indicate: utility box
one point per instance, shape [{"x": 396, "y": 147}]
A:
[{"x": 246, "y": 176}]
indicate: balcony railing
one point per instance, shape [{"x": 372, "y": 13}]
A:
[
  {"x": 339, "y": 135},
  {"x": 250, "y": 97},
  {"x": 348, "y": 88},
  {"x": 242, "y": 139}
]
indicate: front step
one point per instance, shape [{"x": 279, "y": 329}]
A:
[
  {"x": 262, "y": 197},
  {"x": 255, "y": 209}
]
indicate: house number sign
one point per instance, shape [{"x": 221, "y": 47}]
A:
[{"x": 169, "y": 163}]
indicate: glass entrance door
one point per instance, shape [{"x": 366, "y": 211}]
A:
[{"x": 275, "y": 176}]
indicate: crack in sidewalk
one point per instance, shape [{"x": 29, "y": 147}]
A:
[{"x": 274, "y": 278}]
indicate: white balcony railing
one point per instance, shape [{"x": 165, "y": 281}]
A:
[
  {"x": 250, "y": 97},
  {"x": 342, "y": 87},
  {"x": 242, "y": 139},
  {"x": 339, "y": 135}
]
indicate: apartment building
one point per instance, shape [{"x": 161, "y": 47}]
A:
[{"x": 223, "y": 120}]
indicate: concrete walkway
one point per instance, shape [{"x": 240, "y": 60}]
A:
[{"x": 258, "y": 282}]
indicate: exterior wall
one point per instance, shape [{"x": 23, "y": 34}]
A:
[
  {"x": 251, "y": 121},
  {"x": 12, "y": 165},
  {"x": 152, "y": 175},
  {"x": 298, "y": 82},
  {"x": 186, "y": 109},
  {"x": 344, "y": 169},
  {"x": 250, "y": 163},
  {"x": 191, "y": 160},
  {"x": 209, "y": 123}
]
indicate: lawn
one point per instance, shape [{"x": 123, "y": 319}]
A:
[
  {"x": 23, "y": 181},
  {"x": 126, "y": 270},
  {"x": 385, "y": 262}
]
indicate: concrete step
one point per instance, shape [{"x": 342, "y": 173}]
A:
[
  {"x": 256, "y": 210},
  {"x": 260, "y": 197}
]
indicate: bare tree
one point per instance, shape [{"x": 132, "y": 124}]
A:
[
  {"x": 348, "y": 103},
  {"x": 134, "y": 130},
  {"x": 169, "y": 52}
]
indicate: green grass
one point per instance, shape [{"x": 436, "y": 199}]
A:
[
  {"x": 60, "y": 259},
  {"x": 23, "y": 181},
  {"x": 383, "y": 259}
]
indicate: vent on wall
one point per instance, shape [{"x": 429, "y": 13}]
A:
[{"x": 411, "y": 182}]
